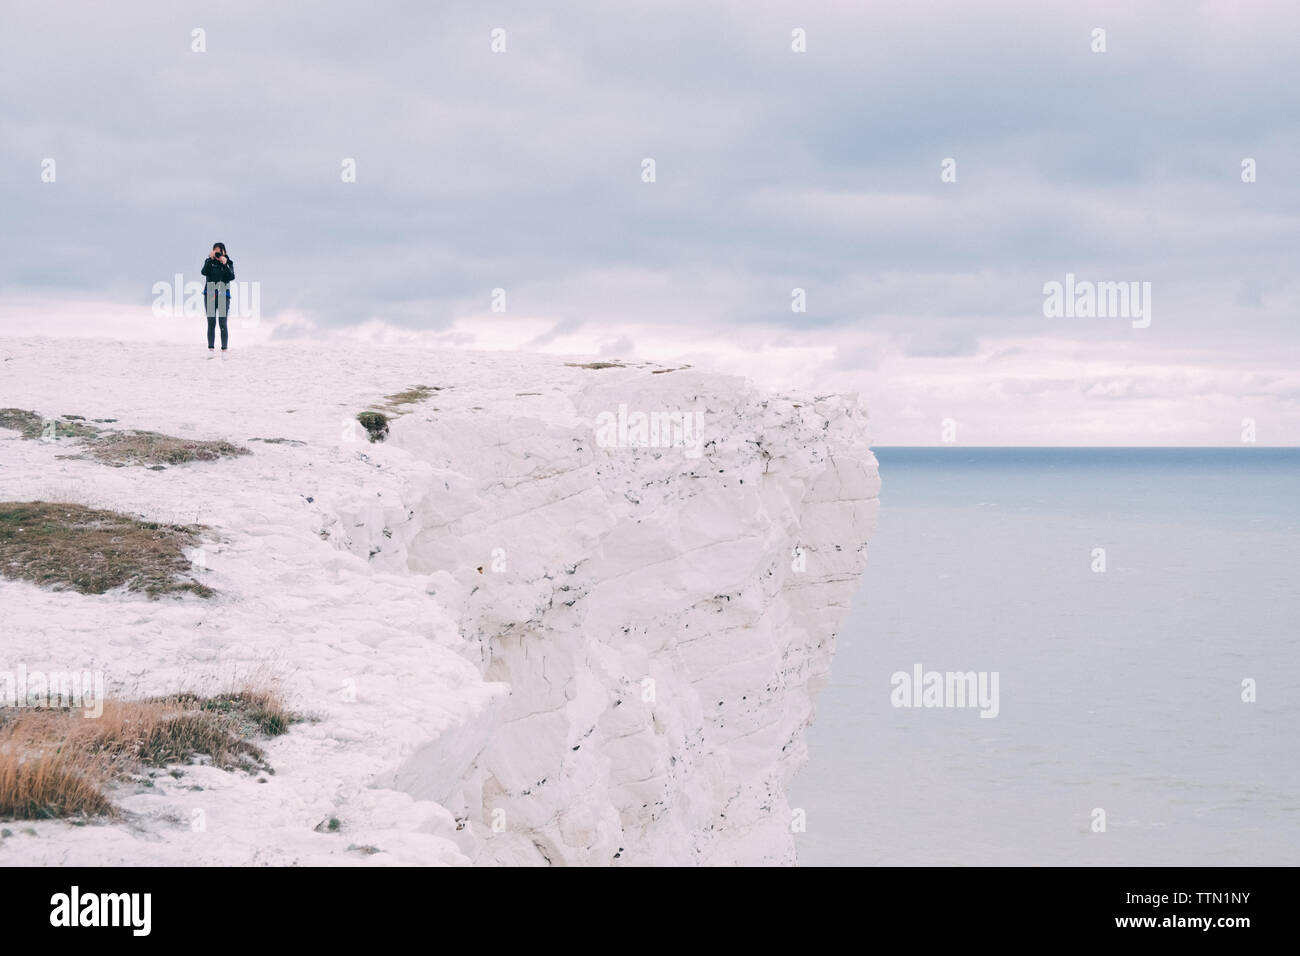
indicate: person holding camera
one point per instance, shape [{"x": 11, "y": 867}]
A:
[{"x": 219, "y": 271}]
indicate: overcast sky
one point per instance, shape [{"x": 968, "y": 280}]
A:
[{"x": 775, "y": 170}]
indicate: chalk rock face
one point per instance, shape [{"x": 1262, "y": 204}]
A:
[
  {"x": 566, "y": 613},
  {"x": 663, "y": 616}
]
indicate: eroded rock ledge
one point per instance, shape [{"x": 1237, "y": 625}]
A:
[{"x": 663, "y": 621}]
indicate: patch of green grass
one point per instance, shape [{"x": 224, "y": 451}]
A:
[
  {"x": 71, "y": 547},
  {"x": 33, "y": 425},
  {"x": 375, "y": 424},
  {"x": 256, "y": 709},
  {"x": 595, "y": 365}
]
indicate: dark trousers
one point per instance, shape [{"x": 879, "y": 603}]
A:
[
  {"x": 212, "y": 328},
  {"x": 217, "y": 300}
]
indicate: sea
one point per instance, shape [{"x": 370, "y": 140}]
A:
[{"x": 1137, "y": 611}]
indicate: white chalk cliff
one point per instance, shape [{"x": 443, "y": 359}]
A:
[{"x": 521, "y": 645}]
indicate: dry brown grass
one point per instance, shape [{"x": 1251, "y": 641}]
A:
[
  {"x": 71, "y": 546},
  {"x": 152, "y": 448},
  {"x": 38, "y": 780},
  {"x": 126, "y": 447},
  {"x": 162, "y": 731},
  {"x": 55, "y": 762},
  {"x": 21, "y": 420},
  {"x": 412, "y": 395}
]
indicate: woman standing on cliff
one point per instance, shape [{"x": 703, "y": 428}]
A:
[{"x": 219, "y": 271}]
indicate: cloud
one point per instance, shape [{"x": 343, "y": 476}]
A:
[{"x": 775, "y": 171}]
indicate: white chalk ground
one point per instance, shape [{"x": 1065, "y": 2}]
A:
[
  {"x": 299, "y": 597},
  {"x": 290, "y": 603}
]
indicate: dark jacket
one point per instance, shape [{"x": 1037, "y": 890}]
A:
[{"x": 214, "y": 271}]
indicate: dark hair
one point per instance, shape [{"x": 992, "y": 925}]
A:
[{"x": 222, "y": 247}]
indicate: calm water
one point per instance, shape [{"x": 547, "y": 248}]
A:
[{"x": 1119, "y": 691}]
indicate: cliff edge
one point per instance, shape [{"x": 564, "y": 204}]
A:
[{"x": 565, "y": 612}]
